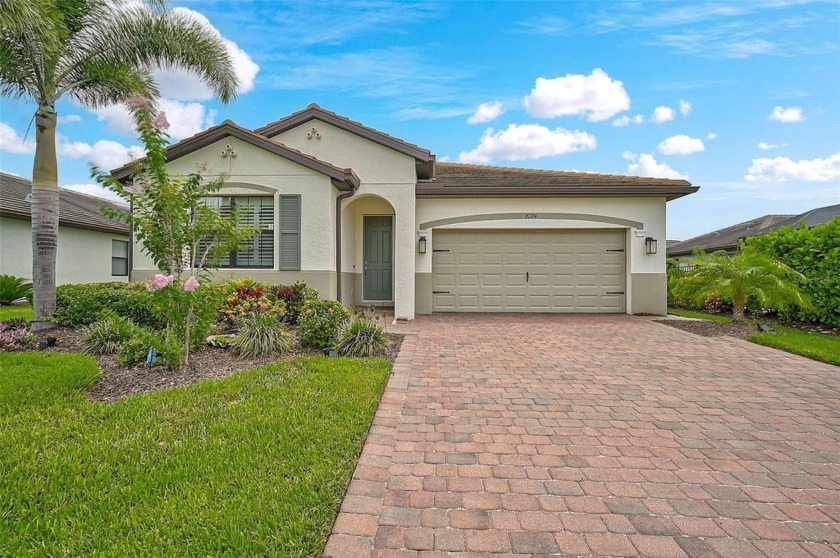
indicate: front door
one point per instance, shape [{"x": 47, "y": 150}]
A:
[{"x": 378, "y": 258}]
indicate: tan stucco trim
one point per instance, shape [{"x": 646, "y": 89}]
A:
[
  {"x": 508, "y": 216},
  {"x": 649, "y": 293},
  {"x": 423, "y": 301}
]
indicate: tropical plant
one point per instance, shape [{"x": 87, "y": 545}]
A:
[
  {"x": 295, "y": 297},
  {"x": 15, "y": 339},
  {"x": 261, "y": 335},
  {"x": 106, "y": 336},
  {"x": 248, "y": 300},
  {"x": 136, "y": 350},
  {"x": 320, "y": 322},
  {"x": 97, "y": 53},
  {"x": 13, "y": 288},
  {"x": 749, "y": 273},
  {"x": 180, "y": 232},
  {"x": 364, "y": 337}
]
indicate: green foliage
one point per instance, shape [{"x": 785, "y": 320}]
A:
[
  {"x": 294, "y": 297},
  {"x": 748, "y": 273},
  {"x": 249, "y": 299},
  {"x": 261, "y": 335},
  {"x": 674, "y": 274},
  {"x": 815, "y": 253},
  {"x": 255, "y": 464},
  {"x": 364, "y": 337},
  {"x": 136, "y": 350},
  {"x": 106, "y": 336},
  {"x": 700, "y": 315},
  {"x": 320, "y": 323},
  {"x": 13, "y": 288},
  {"x": 809, "y": 344},
  {"x": 83, "y": 304}
]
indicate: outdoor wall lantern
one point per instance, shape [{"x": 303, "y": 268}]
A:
[
  {"x": 650, "y": 245},
  {"x": 422, "y": 244}
]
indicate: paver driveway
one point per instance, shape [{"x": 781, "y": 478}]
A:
[{"x": 595, "y": 435}]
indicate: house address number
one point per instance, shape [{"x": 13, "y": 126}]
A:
[{"x": 530, "y": 215}]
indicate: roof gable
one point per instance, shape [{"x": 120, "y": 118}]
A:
[
  {"x": 424, "y": 158},
  {"x": 343, "y": 179},
  {"x": 725, "y": 238},
  {"x": 74, "y": 209}
]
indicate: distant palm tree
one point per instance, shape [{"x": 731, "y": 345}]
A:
[
  {"x": 96, "y": 52},
  {"x": 749, "y": 273}
]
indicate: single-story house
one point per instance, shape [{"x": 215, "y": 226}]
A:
[
  {"x": 811, "y": 218},
  {"x": 367, "y": 218},
  {"x": 91, "y": 246},
  {"x": 726, "y": 238}
]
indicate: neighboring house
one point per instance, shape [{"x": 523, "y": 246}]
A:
[
  {"x": 726, "y": 238},
  {"x": 368, "y": 218},
  {"x": 91, "y": 246},
  {"x": 812, "y": 218}
]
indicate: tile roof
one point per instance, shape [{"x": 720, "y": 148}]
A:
[
  {"x": 812, "y": 218},
  {"x": 726, "y": 238},
  {"x": 462, "y": 180},
  {"x": 75, "y": 210}
]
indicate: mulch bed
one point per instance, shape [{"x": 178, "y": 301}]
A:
[{"x": 117, "y": 382}]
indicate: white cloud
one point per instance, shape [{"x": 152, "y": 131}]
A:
[
  {"x": 627, "y": 120},
  {"x": 94, "y": 190},
  {"x": 681, "y": 145},
  {"x": 711, "y": 136},
  {"x": 444, "y": 159},
  {"x": 783, "y": 169},
  {"x": 663, "y": 114},
  {"x": 69, "y": 119},
  {"x": 646, "y": 165},
  {"x": 791, "y": 114},
  {"x": 486, "y": 112},
  {"x": 685, "y": 107},
  {"x": 183, "y": 86},
  {"x": 628, "y": 156},
  {"x": 111, "y": 154},
  {"x": 597, "y": 96},
  {"x": 765, "y": 146},
  {"x": 185, "y": 119},
  {"x": 11, "y": 142},
  {"x": 527, "y": 141}
]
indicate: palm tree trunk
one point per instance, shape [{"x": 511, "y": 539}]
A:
[
  {"x": 738, "y": 312},
  {"x": 44, "y": 217}
]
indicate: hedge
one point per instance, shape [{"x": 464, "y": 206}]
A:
[
  {"x": 815, "y": 253},
  {"x": 82, "y": 304}
]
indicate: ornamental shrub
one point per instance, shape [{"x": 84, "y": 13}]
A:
[
  {"x": 13, "y": 338},
  {"x": 249, "y": 299},
  {"x": 136, "y": 350},
  {"x": 82, "y": 304},
  {"x": 320, "y": 323},
  {"x": 815, "y": 253},
  {"x": 364, "y": 337},
  {"x": 106, "y": 336},
  {"x": 13, "y": 288},
  {"x": 295, "y": 297},
  {"x": 261, "y": 335}
]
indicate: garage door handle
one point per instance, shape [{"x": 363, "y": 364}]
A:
[
  {"x": 615, "y": 250},
  {"x": 439, "y": 250},
  {"x": 440, "y": 292},
  {"x": 527, "y": 276},
  {"x": 615, "y": 292}
]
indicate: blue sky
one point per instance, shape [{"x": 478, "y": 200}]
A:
[{"x": 741, "y": 98}]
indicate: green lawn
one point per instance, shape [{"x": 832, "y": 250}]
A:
[
  {"x": 7, "y": 312},
  {"x": 700, "y": 315},
  {"x": 812, "y": 345},
  {"x": 255, "y": 464}
]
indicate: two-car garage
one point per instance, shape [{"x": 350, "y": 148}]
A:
[{"x": 529, "y": 270}]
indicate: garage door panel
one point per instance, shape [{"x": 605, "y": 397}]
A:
[{"x": 567, "y": 271}]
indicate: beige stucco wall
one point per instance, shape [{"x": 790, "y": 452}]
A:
[
  {"x": 645, "y": 269},
  {"x": 83, "y": 256},
  {"x": 255, "y": 171},
  {"x": 384, "y": 173}
]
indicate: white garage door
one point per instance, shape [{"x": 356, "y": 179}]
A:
[{"x": 528, "y": 271}]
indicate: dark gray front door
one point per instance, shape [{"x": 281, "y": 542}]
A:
[{"x": 378, "y": 258}]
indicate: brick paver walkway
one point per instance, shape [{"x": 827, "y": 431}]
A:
[{"x": 595, "y": 436}]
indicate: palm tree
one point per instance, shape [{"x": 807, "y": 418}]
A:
[
  {"x": 97, "y": 53},
  {"x": 749, "y": 273}
]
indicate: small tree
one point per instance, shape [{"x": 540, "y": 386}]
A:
[
  {"x": 183, "y": 235},
  {"x": 748, "y": 273}
]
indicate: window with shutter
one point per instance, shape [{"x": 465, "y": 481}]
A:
[
  {"x": 290, "y": 232},
  {"x": 253, "y": 211}
]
